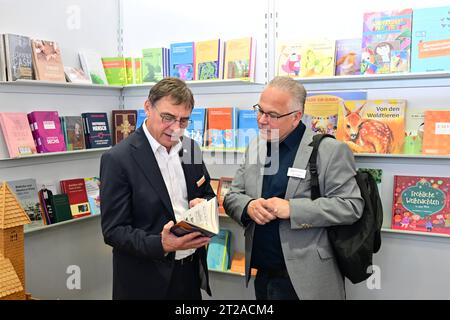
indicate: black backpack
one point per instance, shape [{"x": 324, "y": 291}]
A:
[{"x": 354, "y": 244}]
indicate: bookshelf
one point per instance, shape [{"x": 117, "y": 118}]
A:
[{"x": 59, "y": 224}]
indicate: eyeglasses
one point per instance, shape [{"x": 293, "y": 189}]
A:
[
  {"x": 169, "y": 119},
  {"x": 272, "y": 115}
]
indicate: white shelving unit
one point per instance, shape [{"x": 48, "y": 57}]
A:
[{"x": 413, "y": 265}]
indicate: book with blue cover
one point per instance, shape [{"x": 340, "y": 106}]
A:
[
  {"x": 247, "y": 128},
  {"x": 196, "y": 128},
  {"x": 219, "y": 251},
  {"x": 141, "y": 116},
  {"x": 431, "y": 40},
  {"x": 182, "y": 60}
]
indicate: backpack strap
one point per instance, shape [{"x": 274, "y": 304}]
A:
[{"x": 315, "y": 189}]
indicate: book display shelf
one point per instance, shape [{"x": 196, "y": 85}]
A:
[{"x": 51, "y": 249}]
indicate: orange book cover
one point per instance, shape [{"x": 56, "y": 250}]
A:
[
  {"x": 17, "y": 134},
  {"x": 372, "y": 126},
  {"x": 238, "y": 264},
  {"x": 47, "y": 61},
  {"x": 436, "y": 136},
  {"x": 221, "y": 127}
]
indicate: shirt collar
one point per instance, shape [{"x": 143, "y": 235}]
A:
[
  {"x": 155, "y": 145},
  {"x": 293, "y": 139}
]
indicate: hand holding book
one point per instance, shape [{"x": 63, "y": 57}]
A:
[
  {"x": 203, "y": 217},
  {"x": 171, "y": 242}
]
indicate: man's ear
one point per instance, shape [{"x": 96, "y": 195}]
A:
[
  {"x": 298, "y": 117},
  {"x": 147, "y": 107}
]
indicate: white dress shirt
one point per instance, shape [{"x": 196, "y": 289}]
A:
[{"x": 172, "y": 172}]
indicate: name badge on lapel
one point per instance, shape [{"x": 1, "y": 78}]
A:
[
  {"x": 296, "y": 173},
  {"x": 201, "y": 181}
]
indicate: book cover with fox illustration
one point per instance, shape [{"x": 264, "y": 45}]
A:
[
  {"x": 372, "y": 126},
  {"x": 421, "y": 204}
]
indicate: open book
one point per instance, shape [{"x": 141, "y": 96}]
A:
[{"x": 204, "y": 218}]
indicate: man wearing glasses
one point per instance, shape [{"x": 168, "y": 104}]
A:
[
  {"x": 147, "y": 182},
  {"x": 285, "y": 232}
]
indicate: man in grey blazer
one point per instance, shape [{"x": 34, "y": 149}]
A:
[{"x": 285, "y": 232}]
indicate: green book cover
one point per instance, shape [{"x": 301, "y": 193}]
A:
[
  {"x": 129, "y": 62},
  {"x": 61, "y": 207},
  {"x": 134, "y": 70},
  {"x": 152, "y": 65},
  {"x": 115, "y": 70},
  {"x": 138, "y": 70}
]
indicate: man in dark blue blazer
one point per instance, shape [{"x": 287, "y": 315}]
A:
[{"x": 147, "y": 182}]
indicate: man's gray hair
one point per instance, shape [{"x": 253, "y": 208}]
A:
[{"x": 294, "y": 88}]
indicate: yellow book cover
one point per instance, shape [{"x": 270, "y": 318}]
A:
[
  {"x": 317, "y": 58},
  {"x": 372, "y": 126},
  {"x": 321, "y": 113},
  {"x": 208, "y": 60},
  {"x": 240, "y": 59}
]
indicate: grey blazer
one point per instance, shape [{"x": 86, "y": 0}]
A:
[{"x": 307, "y": 252}]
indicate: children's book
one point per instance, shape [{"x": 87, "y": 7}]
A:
[
  {"x": 348, "y": 57},
  {"x": 372, "y": 126},
  {"x": 436, "y": 136},
  {"x": 421, "y": 204},
  {"x": 431, "y": 40},
  {"x": 386, "y": 42},
  {"x": 288, "y": 58}
]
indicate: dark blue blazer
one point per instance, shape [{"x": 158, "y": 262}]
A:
[{"x": 135, "y": 205}]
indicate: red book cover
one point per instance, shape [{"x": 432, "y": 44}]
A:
[
  {"x": 124, "y": 124},
  {"x": 78, "y": 199},
  {"x": 421, "y": 204}
]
